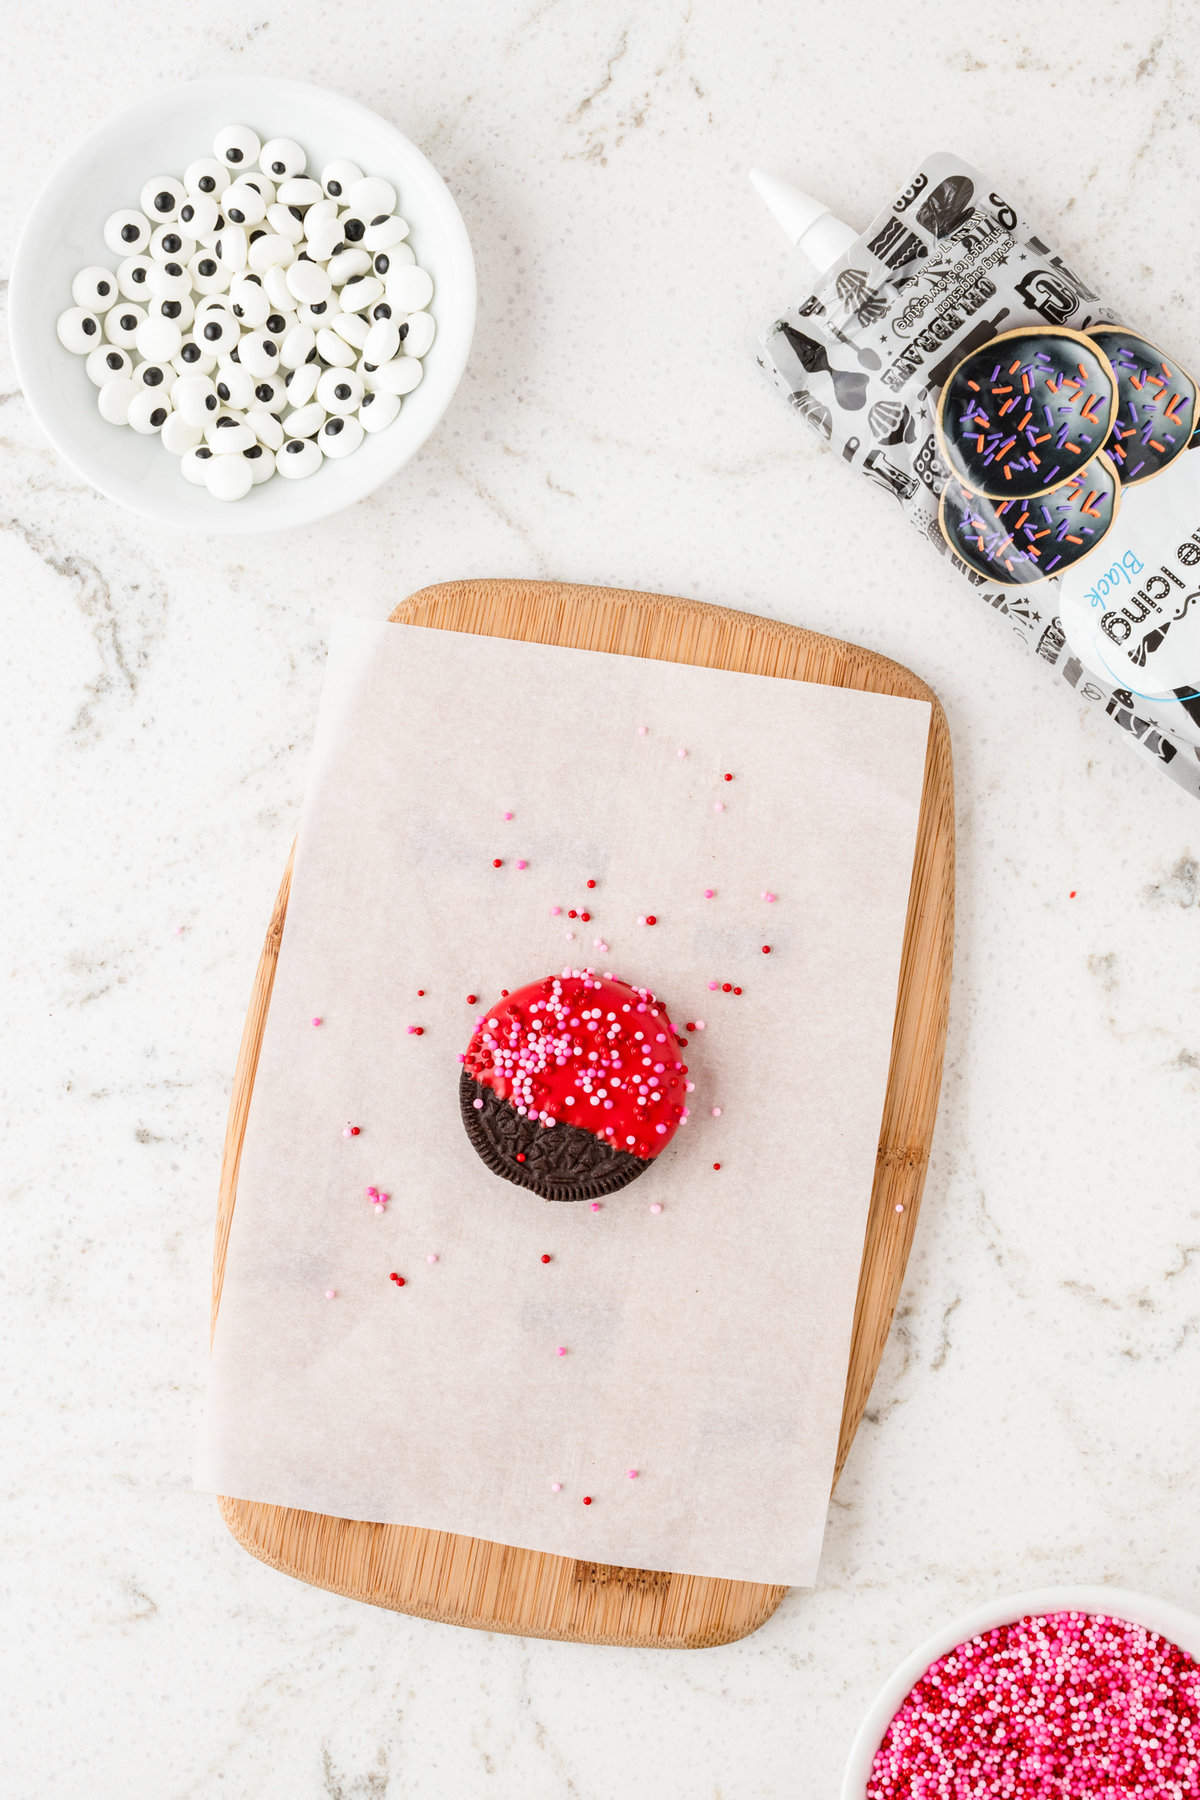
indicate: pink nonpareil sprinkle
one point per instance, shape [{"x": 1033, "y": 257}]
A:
[
  {"x": 716, "y": 1112},
  {"x": 1058, "y": 1706},
  {"x": 556, "y": 912},
  {"x": 331, "y": 1293},
  {"x": 709, "y": 893},
  {"x": 562, "y": 1350},
  {"x": 521, "y": 863},
  {"x": 556, "y": 1487},
  {"x": 506, "y": 815},
  {"x": 769, "y": 898},
  {"x": 432, "y": 1257},
  {"x": 681, "y": 753},
  {"x": 655, "y": 1206},
  {"x": 632, "y": 1474},
  {"x": 596, "y": 1206},
  {"x": 317, "y": 1021},
  {"x": 713, "y": 986},
  {"x": 718, "y": 806}
]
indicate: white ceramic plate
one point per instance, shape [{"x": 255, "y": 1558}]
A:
[
  {"x": 1183, "y": 1628},
  {"x": 64, "y": 231}
]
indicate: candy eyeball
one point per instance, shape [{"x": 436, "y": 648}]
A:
[
  {"x": 207, "y": 275},
  {"x": 95, "y": 289},
  {"x": 360, "y": 292},
  {"x": 227, "y": 434},
  {"x": 242, "y": 204},
  {"x": 382, "y": 342},
  {"x": 133, "y": 275},
  {"x": 107, "y": 363},
  {"x": 267, "y": 394},
  {"x": 148, "y": 411},
  {"x": 308, "y": 282},
  {"x": 206, "y": 176},
  {"x": 193, "y": 464},
  {"x": 337, "y": 178},
  {"x": 384, "y": 233},
  {"x": 236, "y": 146},
  {"x": 179, "y": 435},
  {"x": 78, "y": 330},
  {"x": 354, "y": 227},
  {"x": 169, "y": 244},
  {"x": 281, "y": 157},
  {"x": 232, "y": 247},
  {"x": 193, "y": 360},
  {"x": 262, "y": 463},
  {"x": 322, "y": 237},
  {"x": 301, "y": 383},
  {"x": 169, "y": 281},
  {"x": 341, "y": 437},
  {"x": 234, "y": 387},
  {"x": 155, "y": 375},
  {"x": 410, "y": 288},
  {"x": 378, "y": 411},
  {"x": 180, "y": 311},
  {"x": 259, "y": 353},
  {"x": 297, "y": 458},
  {"x": 400, "y": 376},
  {"x": 306, "y": 421},
  {"x": 418, "y": 334},
  {"x": 279, "y": 294},
  {"x": 353, "y": 327},
  {"x": 126, "y": 232},
  {"x": 334, "y": 349},
  {"x": 372, "y": 197},
  {"x": 121, "y": 324},
  {"x": 198, "y": 216},
  {"x": 115, "y": 398},
  {"x": 267, "y": 429},
  {"x": 269, "y": 248},
  {"x": 162, "y": 198},
  {"x": 228, "y": 477},
  {"x": 158, "y": 340},
  {"x": 318, "y": 316},
  {"x": 218, "y": 330},
  {"x": 340, "y": 391},
  {"x": 286, "y": 222},
  {"x": 195, "y": 398},
  {"x": 248, "y": 301}
]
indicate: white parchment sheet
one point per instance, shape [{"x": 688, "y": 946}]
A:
[{"x": 706, "y": 1344}]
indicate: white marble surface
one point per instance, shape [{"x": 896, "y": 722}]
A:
[{"x": 1034, "y": 1419}]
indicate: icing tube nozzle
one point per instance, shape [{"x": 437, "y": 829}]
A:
[{"x": 808, "y": 223}]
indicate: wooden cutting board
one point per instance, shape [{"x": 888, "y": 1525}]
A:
[{"x": 469, "y": 1581}]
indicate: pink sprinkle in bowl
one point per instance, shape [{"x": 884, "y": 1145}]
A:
[{"x": 1169, "y": 1621}]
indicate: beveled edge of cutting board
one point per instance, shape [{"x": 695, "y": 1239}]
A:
[{"x": 495, "y": 1587}]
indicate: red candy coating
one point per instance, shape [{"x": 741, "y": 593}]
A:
[{"x": 585, "y": 1050}]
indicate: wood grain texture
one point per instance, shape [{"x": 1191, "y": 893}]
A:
[{"x": 469, "y": 1581}]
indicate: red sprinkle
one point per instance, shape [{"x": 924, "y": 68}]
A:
[
  {"x": 587, "y": 1499},
  {"x": 651, "y": 919},
  {"x": 716, "y": 1165},
  {"x": 766, "y": 949},
  {"x": 520, "y": 1156},
  {"x": 737, "y": 990},
  {"x": 545, "y": 1259},
  {"x": 690, "y": 1026},
  {"x": 354, "y": 1130},
  {"x": 1071, "y": 895},
  {"x": 729, "y": 778},
  {"x": 585, "y": 916},
  {"x": 727, "y": 987},
  {"x": 472, "y": 999},
  {"x": 591, "y": 884},
  {"x": 572, "y": 914},
  {"x": 398, "y": 1279},
  {"x": 420, "y": 993}
]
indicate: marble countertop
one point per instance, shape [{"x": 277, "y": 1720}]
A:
[{"x": 1034, "y": 1418}]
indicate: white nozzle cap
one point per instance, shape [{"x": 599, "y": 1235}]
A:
[{"x": 808, "y": 223}]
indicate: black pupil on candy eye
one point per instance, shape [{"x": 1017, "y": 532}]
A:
[
  {"x": 203, "y": 453},
  {"x": 404, "y": 331},
  {"x": 210, "y": 401},
  {"x": 382, "y": 311},
  {"x": 270, "y": 349},
  {"x": 158, "y": 415},
  {"x": 294, "y": 446},
  {"x": 342, "y": 391},
  {"x": 89, "y": 327},
  {"x": 335, "y": 188},
  {"x": 233, "y": 154},
  {"x": 190, "y": 352},
  {"x": 212, "y": 332},
  {"x": 278, "y": 168},
  {"x": 171, "y": 309},
  {"x": 239, "y": 218},
  {"x": 207, "y": 183},
  {"x": 255, "y": 235},
  {"x": 172, "y": 243},
  {"x": 224, "y": 393},
  {"x": 221, "y": 422},
  {"x": 381, "y": 265},
  {"x": 354, "y": 229},
  {"x": 368, "y": 399},
  {"x": 173, "y": 269},
  {"x": 129, "y": 233},
  {"x": 264, "y": 391},
  {"x": 102, "y": 288},
  {"x": 128, "y": 322},
  {"x": 379, "y": 219},
  {"x": 113, "y": 360},
  {"x": 163, "y": 201},
  {"x": 208, "y": 266},
  {"x": 187, "y": 213},
  {"x": 274, "y": 323},
  {"x": 297, "y": 212},
  {"x": 138, "y": 275},
  {"x": 238, "y": 312},
  {"x": 152, "y": 377},
  {"x": 320, "y": 307},
  {"x": 253, "y": 451},
  {"x": 334, "y": 426}
]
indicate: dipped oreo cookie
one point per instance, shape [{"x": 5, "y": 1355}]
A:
[
  {"x": 1026, "y": 411},
  {"x": 1157, "y": 404},
  {"x": 573, "y": 1085},
  {"x": 1020, "y": 541}
]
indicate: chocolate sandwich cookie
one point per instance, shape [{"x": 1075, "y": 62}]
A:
[
  {"x": 1026, "y": 411},
  {"x": 1157, "y": 404},
  {"x": 573, "y": 1085},
  {"x": 1020, "y": 541}
]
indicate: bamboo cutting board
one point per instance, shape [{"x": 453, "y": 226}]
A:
[{"x": 469, "y": 1581}]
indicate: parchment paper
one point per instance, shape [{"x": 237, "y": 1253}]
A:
[{"x": 707, "y": 1344}]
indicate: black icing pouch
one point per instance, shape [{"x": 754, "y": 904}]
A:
[{"x": 1028, "y": 431}]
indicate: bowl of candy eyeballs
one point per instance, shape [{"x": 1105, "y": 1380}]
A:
[{"x": 242, "y": 290}]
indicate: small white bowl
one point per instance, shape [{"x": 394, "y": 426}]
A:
[
  {"x": 1182, "y": 1628},
  {"x": 64, "y": 232}
]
